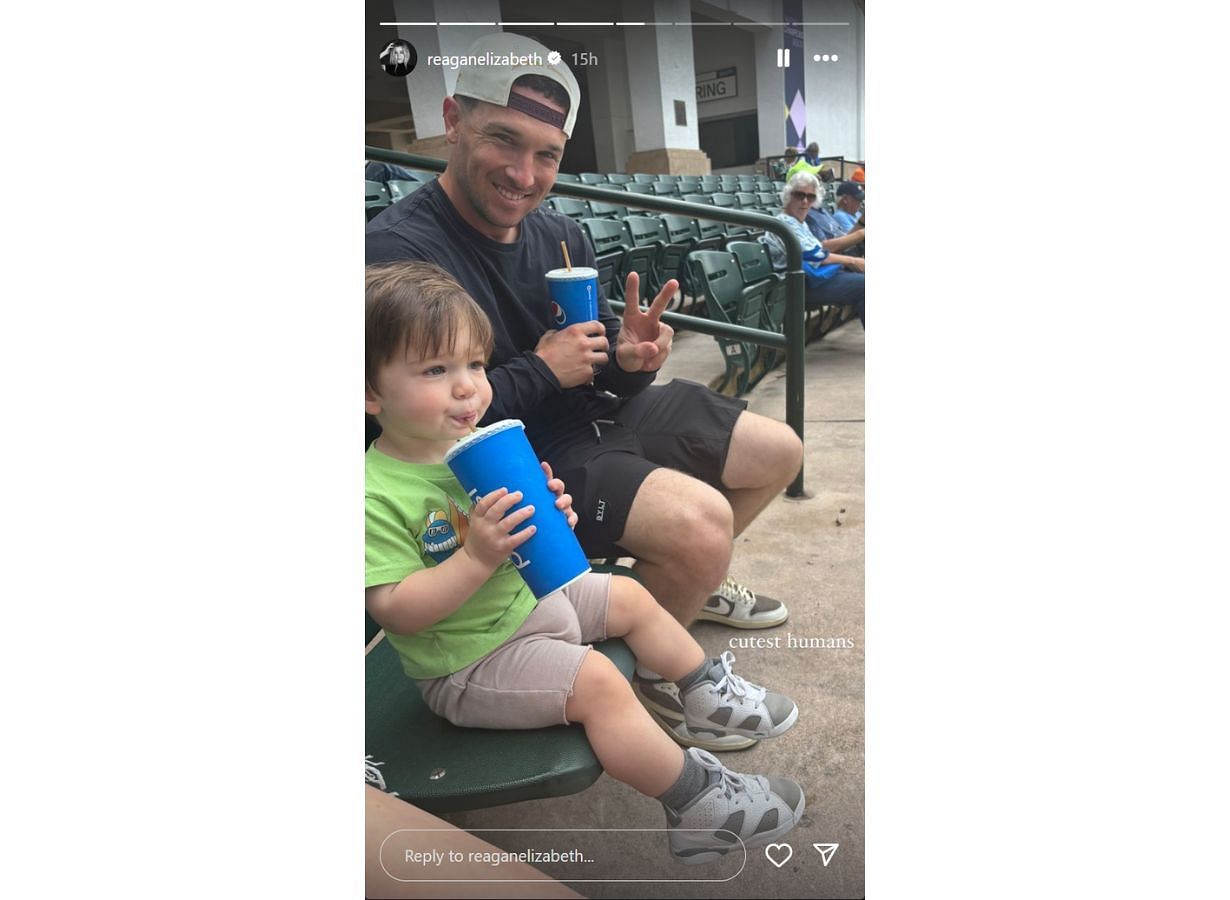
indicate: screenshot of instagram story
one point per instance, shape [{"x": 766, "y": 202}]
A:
[{"x": 614, "y": 463}]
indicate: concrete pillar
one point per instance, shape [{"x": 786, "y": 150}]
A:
[
  {"x": 431, "y": 83},
  {"x": 661, "y": 74},
  {"x": 610, "y": 103},
  {"x": 834, "y": 89},
  {"x": 770, "y": 85}
]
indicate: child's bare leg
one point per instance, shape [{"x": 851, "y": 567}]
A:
[
  {"x": 630, "y": 746},
  {"x": 656, "y": 638}
]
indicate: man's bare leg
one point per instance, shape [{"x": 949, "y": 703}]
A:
[
  {"x": 763, "y": 459},
  {"x": 680, "y": 531}
]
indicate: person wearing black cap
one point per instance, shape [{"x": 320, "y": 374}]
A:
[
  {"x": 849, "y": 202},
  {"x": 665, "y": 474}
]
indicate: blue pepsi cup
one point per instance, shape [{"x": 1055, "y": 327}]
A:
[
  {"x": 500, "y": 456},
  {"x": 574, "y": 295}
]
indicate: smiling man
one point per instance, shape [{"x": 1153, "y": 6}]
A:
[{"x": 664, "y": 474}]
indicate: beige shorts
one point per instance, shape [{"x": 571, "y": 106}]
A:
[{"x": 527, "y": 680}]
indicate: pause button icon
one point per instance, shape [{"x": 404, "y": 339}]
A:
[{"x": 783, "y": 58}]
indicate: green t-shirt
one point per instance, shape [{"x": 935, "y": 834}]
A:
[{"x": 417, "y": 516}]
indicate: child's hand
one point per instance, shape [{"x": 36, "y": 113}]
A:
[
  {"x": 489, "y": 542},
  {"x": 563, "y": 501}
]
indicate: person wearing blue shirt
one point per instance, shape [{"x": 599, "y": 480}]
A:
[{"x": 849, "y": 202}]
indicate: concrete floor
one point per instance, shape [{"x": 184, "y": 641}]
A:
[{"x": 808, "y": 553}]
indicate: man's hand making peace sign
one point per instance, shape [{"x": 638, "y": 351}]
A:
[{"x": 644, "y": 339}]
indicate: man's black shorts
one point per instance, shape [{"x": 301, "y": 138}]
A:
[{"x": 681, "y": 425}]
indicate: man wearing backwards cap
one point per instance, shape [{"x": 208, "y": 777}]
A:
[{"x": 621, "y": 445}]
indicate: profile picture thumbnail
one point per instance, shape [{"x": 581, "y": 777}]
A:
[{"x": 399, "y": 58}]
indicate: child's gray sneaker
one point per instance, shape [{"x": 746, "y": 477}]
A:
[
  {"x": 753, "y": 809},
  {"x": 723, "y": 700},
  {"x": 661, "y": 699},
  {"x": 712, "y": 739}
]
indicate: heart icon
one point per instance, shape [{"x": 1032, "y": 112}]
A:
[{"x": 785, "y": 851}]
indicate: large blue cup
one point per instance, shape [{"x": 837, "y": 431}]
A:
[
  {"x": 500, "y": 456},
  {"x": 574, "y": 295}
]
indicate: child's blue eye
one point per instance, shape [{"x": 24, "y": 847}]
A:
[
  {"x": 435, "y": 370},
  {"x": 477, "y": 364}
]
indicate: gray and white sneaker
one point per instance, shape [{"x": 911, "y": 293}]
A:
[
  {"x": 661, "y": 699},
  {"x": 739, "y": 607},
  {"x": 713, "y": 739},
  {"x": 754, "y": 809},
  {"x": 723, "y": 700}
]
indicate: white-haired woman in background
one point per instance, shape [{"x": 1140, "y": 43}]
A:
[{"x": 826, "y": 285}]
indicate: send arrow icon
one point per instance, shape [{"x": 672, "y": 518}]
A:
[{"x": 826, "y": 852}]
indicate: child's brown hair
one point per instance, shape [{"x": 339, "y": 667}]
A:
[{"x": 417, "y": 307}]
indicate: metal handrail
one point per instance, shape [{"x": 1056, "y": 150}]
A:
[{"x": 794, "y": 323}]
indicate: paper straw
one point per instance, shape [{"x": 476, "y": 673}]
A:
[{"x": 567, "y": 261}]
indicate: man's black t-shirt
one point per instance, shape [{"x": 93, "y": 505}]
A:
[{"x": 509, "y": 282}]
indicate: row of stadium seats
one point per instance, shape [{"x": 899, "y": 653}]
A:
[
  {"x": 654, "y": 246},
  {"x": 686, "y": 182},
  {"x": 738, "y": 285},
  {"x": 378, "y": 195},
  {"x": 765, "y": 202},
  {"x": 686, "y": 188}
]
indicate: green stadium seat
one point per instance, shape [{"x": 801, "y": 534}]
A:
[
  {"x": 711, "y": 234},
  {"x": 601, "y": 210},
  {"x": 568, "y": 177},
  {"x": 747, "y": 200},
  {"x": 730, "y": 201},
  {"x": 606, "y": 236},
  {"x": 442, "y": 768},
  {"x": 592, "y": 178},
  {"x": 399, "y": 189},
  {"x": 376, "y": 198},
  {"x": 682, "y": 235},
  {"x": 649, "y": 231},
  {"x": 756, "y": 267},
  {"x": 571, "y": 207},
  {"x": 727, "y": 299},
  {"x": 641, "y": 259}
]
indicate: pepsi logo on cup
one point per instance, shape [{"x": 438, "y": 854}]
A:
[{"x": 558, "y": 312}]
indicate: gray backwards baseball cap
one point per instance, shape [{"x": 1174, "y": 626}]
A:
[{"x": 514, "y": 55}]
